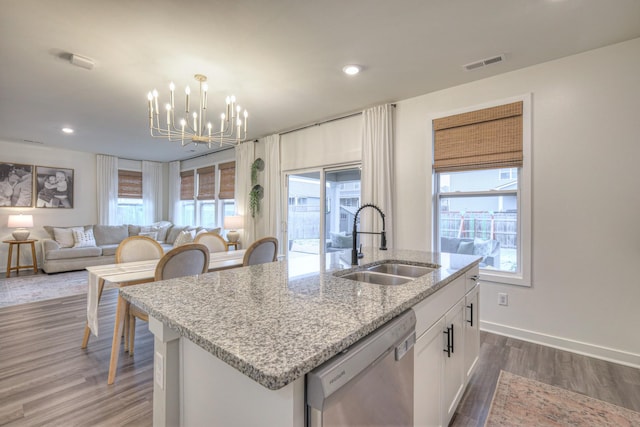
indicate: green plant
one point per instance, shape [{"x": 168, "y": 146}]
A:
[
  {"x": 256, "y": 193},
  {"x": 257, "y": 165}
]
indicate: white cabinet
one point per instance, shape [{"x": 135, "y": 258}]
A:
[
  {"x": 427, "y": 382},
  {"x": 454, "y": 375},
  {"x": 471, "y": 331},
  {"x": 446, "y": 349}
]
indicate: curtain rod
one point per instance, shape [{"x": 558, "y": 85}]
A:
[{"x": 324, "y": 122}]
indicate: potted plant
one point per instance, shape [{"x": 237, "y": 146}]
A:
[
  {"x": 256, "y": 193},
  {"x": 257, "y": 165}
]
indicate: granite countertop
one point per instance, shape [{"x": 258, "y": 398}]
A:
[{"x": 275, "y": 322}]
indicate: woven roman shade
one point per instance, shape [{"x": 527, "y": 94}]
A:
[
  {"x": 227, "y": 180},
  {"x": 207, "y": 183},
  {"x": 129, "y": 184},
  {"x": 481, "y": 139},
  {"x": 187, "y": 185}
]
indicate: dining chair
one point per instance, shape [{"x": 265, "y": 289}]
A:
[
  {"x": 136, "y": 248},
  {"x": 186, "y": 260},
  {"x": 213, "y": 241},
  {"x": 261, "y": 251}
]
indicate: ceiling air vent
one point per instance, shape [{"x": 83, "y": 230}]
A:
[{"x": 484, "y": 62}]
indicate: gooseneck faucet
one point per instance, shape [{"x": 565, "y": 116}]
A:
[{"x": 383, "y": 235}]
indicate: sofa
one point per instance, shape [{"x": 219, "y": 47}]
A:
[
  {"x": 489, "y": 250},
  {"x": 75, "y": 248}
]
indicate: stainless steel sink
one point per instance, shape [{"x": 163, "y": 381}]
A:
[
  {"x": 376, "y": 278},
  {"x": 399, "y": 269}
]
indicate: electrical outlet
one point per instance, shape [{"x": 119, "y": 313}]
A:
[
  {"x": 503, "y": 298},
  {"x": 159, "y": 370}
]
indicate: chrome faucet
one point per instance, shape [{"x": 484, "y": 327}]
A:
[{"x": 383, "y": 236}]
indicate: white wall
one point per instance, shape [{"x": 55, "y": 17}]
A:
[
  {"x": 586, "y": 198},
  {"x": 84, "y": 209}
]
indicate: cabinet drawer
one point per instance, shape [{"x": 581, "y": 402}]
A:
[
  {"x": 435, "y": 306},
  {"x": 473, "y": 277}
]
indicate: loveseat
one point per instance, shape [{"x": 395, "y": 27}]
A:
[
  {"x": 489, "y": 250},
  {"x": 75, "y": 248}
]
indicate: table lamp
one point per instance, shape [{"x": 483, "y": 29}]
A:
[
  {"x": 232, "y": 224},
  {"x": 20, "y": 223}
]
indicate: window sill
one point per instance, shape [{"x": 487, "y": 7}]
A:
[{"x": 504, "y": 278}]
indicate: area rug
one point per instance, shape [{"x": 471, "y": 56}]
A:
[
  {"x": 39, "y": 287},
  {"x": 520, "y": 401}
]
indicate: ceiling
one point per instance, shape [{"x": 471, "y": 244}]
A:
[{"x": 282, "y": 59}]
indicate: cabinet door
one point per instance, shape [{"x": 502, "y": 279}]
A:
[
  {"x": 454, "y": 375},
  {"x": 471, "y": 331},
  {"x": 427, "y": 384}
]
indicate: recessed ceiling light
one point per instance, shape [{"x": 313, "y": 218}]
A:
[
  {"x": 67, "y": 130},
  {"x": 351, "y": 70}
]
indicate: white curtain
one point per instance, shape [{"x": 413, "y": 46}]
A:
[
  {"x": 271, "y": 215},
  {"x": 245, "y": 153},
  {"x": 107, "y": 191},
  {"x": 175, "y": 214},
  {"x": 377, "y": 172},
  {"x": 152, "y": 191}
]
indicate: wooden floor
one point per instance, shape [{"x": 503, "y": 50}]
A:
[
  {"x": 602, "y": 380},
  {"x": 47, "y": 379}
]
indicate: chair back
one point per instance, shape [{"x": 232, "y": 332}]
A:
[
  {"x": 211, "y": 240},
  {"x": 185, "y": 260},
  {"x": 261, "y": 251},
  {"x": 138, "y": 248}
]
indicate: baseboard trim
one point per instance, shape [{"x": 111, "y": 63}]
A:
[{"x": 586, "y": 349}]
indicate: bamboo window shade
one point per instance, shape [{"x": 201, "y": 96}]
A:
[
  {"x": 187, "y": 185},
  {"x": 481, "y": 139},
  {"x": 227, "y": 180},
  {"x": 206, "y": 183},
  {"x": 129, "y": 184}
]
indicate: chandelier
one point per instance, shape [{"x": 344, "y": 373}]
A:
[{"x": 194, "y": 127}]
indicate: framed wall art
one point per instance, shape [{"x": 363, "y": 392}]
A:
[
  {"x": 54, "y": 187},
  {"x": 16, "y": 185}
]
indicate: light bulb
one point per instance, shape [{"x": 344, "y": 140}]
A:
[
  {"x": 246, "y": 114},
  {"x": 149, "y": 96},
  {"x": 155, "y": 93},
  {"x": 168, "y": 107},
  {"x": 205, "y": 87},
  {"x": 172, "y": 87},
  {"x": 187, "y": 90}
]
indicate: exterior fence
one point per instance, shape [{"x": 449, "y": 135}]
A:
[{"x": 500, "y": 226}]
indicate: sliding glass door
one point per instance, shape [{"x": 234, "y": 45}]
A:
[{"x": 320, "y": 208}]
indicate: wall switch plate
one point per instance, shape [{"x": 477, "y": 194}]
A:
[
  {"x": 503, "y": 298},
  {"x": 159, "y": 370}
]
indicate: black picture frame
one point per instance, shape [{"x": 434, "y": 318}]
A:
[
  {"x": 54, "y": 187},
  {"x": 16, "y": 185}
]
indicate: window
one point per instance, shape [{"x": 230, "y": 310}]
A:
[
  {"x": 482, "y": 188},
  {"x": 198, "y": 188},
  {"x": 130, "y": 209}
]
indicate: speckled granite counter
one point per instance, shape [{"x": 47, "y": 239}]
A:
[{"x": 275, "y": 322}]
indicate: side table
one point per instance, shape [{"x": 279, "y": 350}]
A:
[
  {"x": 18, "y": 267},
  {"x": 236, "y": 245}
]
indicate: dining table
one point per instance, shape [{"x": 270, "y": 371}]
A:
[{"x": 128, "y": 274}]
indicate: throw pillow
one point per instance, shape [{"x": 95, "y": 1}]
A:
[
  {"x": 64, "y": 236},
  {"x": 84, "y": 239},
  {"x": 163, "y": 228},
  {"x": 152, "y": 234},
  {"x": 482, "y": 247},
  {"x": 184, "y": 237},
  {"x": 173, "y": 233},
  {"x": 465, "y": 248}
]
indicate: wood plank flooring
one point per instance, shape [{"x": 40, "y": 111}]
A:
[
  {"x": 47, "y": 379},
  {"x": 596, "y": 378}
]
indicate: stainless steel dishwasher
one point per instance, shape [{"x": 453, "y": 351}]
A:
[{"x": 370, "y": 383}]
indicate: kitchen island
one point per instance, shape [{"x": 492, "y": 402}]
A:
[{"x": 233, "y": 347}]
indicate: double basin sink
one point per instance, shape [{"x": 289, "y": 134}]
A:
[{"x": 389, "y": 273}]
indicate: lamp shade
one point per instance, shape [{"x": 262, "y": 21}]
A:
[
  {"x": 233, "y": 222},
  {"x": 20, "y": 221}
]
